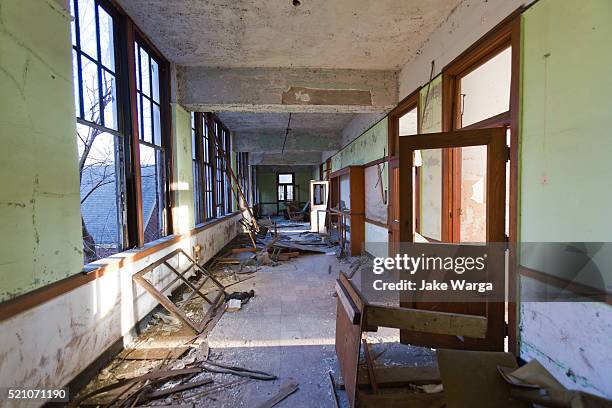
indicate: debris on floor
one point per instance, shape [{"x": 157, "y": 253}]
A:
[{"x": 171, "y": 362}]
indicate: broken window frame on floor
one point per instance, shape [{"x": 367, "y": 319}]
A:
[{"x": 169, "y": 305}]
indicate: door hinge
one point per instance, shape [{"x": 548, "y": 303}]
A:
[
  {"x": 507, "y": 153},
  {"x": 505, "y": 329}
]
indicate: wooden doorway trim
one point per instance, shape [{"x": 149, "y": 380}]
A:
[
  {"x": 494, "y": 140},
  {"x": 507, "y": 33}
]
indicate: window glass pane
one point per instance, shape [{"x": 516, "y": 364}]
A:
[
  {"x": 109, "y": 101},
  {"x": 473, "y": 223},
  {"x": 155, "y": 80},
  {"x": 197, "y": 193},
  {"x": 289, "y": 193},
  {"x": 152, "y": 186},
  {"x": 485, "y": 92},
  {"x": 408, "y": 123},
  {"x": 107, "y": 43},
  {"x": 139, "y": 111},
  {"x": 91, "y": 104},
  {"x": 87, "y": 27},
  {"x": 73, "y": 23},
  {"x": 281, "y": 193},
  {"x": 156, "y": 125},
  {"x": 100, "y": 191},
  {"x": 146, "y": 120},
  {"x": 75, "y": 80},
  {"x": 285, "y": 178},
  {"x": 144, "y": 72},
  {"x": 137, "y": 63},
  {"x": 193, "y": 137}
]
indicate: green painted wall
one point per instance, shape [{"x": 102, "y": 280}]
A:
[
  {"x": 370, "y": 146},
  {"x": 266, "y": 181},
  {"x": 566, "y": 110},
  {"x": 183, "y": 215},
  {"x": 565, "y": 170},
  {"x": 41, "y": 236}
]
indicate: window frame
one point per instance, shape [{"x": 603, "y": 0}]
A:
[
  {"x": 119, "y": 133},
  {"x": 284, "y": 186},
  {"x": 135, "y": 35},
  {"x": 506, "y": 33},
  {"x": 125, "y": 36}
]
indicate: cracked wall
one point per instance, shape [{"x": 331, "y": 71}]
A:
[{"x": 39, "y": 199}]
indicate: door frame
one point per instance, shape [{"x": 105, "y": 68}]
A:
[{"x": 495, "y": 141}]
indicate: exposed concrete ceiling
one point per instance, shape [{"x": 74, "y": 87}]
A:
[
  {"x": 354, "y": 34},
  {"x": 318, "y": 122},
  {"x": 253, "y": 62},
  {"x": 264, "y": 134}
]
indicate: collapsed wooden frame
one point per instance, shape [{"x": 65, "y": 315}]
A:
[
  {"x": 355, "y": 316},
  {"x": 170, "y": 306}
]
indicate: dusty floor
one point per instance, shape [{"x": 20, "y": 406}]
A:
[{"x": 287, "y": 330}]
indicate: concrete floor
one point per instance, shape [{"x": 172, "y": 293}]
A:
[{"x": 287, "y": 329}]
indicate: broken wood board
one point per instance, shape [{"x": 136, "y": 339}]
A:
[
  {"x": 426, "y": 321},
  {"x": 395, "y": 398},
  {"x": 155, "y": 353},
  {"x": 286, "y": 390},
  {"x": 398, "y": 376},
  {"x": 178, "y": 388},
  {"x": 154, "y": 375},
  {"x": 348, "y": 343},
  {"x": 240, "y": 250}
]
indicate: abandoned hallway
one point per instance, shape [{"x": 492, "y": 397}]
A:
[{"x": 305, "y": 203}]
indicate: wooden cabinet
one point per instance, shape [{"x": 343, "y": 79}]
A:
[{"x": 348, "y": 199}]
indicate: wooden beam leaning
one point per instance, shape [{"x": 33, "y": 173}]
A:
[
  {"x": 427, "y": 321},
  {"x": 228, "y": 162}
]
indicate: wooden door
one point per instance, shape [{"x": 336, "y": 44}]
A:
[
  {"x": 319, "y": 193},
  {"x": 495, "y": 195}
]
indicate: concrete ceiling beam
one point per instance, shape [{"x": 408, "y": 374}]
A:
[
  {"x": 271, "y": 141},
  {"x": 306, "y": 90},
  {"x": 304, "y": 158}
]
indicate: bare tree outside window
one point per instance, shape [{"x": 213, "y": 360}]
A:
[{"x": 99, "y": 143}]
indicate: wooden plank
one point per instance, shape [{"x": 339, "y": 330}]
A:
[
  {"x": 370, "y": 363},
  {"x": 387, "y": 377},
  {"x": 178, "y": 388},
  {"x": 347, "y": 343},
  {"x": 353, "y": 292},
  {"x": 402, "y": 400},
  {"x": 286, "y": 390},
  {"x": 156, "y": 353},
  {"x": 353, "y": 314},
  {"x": 239, "y": 250},
  {"x": 427, "y": 321}
]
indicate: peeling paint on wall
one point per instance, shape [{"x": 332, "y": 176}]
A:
[
  {"x": 40, "y": 186},
  {"x": 370, "y": 146}
]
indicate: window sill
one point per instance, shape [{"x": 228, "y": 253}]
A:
[{"x": 97, "y": 269}]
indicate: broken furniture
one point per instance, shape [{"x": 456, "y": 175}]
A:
[
  {"x": 496, "y": 380},
  {"x": 356, "y": 316},
  {"x": 295, "y": 212},
  {"x": 196, "y": 289}
]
